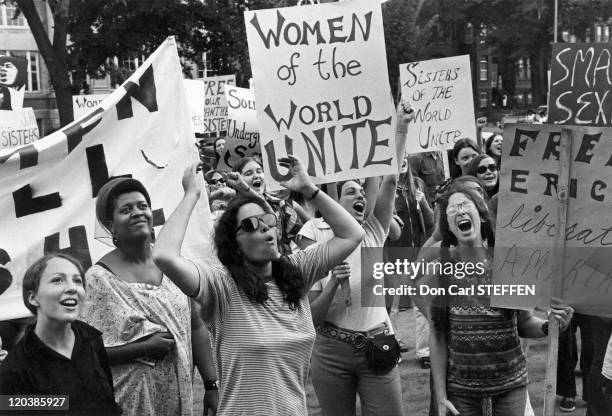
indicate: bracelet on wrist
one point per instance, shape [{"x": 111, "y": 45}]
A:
[
  {"x": 211, "y": 385},
  {"x": 545, "y": 328},
  {"x": 314, "y": 195}
]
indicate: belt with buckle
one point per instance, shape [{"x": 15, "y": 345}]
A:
[{"x": 357, "y": 339}]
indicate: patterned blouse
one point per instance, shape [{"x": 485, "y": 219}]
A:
[{"x": 127, "y": 312}]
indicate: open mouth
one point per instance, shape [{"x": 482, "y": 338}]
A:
[
  {"x": 464, "y": 225},
  {"x": 71, "y": 303},
  {"x": 359, "y": 206},
  {"x": 257, "y": 183}
]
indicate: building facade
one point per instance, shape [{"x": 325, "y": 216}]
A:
[{"x": 16, "y": 39}]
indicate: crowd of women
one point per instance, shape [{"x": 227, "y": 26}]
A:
[{"x": 282, "y": 301}]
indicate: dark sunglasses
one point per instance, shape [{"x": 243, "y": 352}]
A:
[
  {"x": 251, "y": 224},
  {"x": 216, "y": 181},
  {"x": 483, "y": 169}
]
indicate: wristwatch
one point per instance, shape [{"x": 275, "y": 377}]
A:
[{"x": 211, "y": 385}]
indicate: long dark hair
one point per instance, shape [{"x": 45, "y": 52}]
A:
[
  {"x": 288, "y": 277},
  {"x": 460, "y": 145},
  {"x": 472, "y": 169}
]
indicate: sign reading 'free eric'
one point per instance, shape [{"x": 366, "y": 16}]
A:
[
  {"x": 322, "y": 90},
  {"x": 528, "y": 222}
]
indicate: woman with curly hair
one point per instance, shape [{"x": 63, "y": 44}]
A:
[
  {"x": 256, "y": 301},
  {"x": 478, "y": 366}
]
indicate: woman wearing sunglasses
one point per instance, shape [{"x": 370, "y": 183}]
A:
[
  {"x": 255, "y": 301},
  {"x": 478, "y": 367},
  {"x": 215, "y": 180},
  {"x": 484, "y": 168},
  {"x": 289, "y": 213}
]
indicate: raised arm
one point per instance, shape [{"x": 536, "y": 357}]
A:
[
  {"x": 386, "y": 194},
  {"x": 347, "y": 232},
  {"x": 167, "y": 249}
]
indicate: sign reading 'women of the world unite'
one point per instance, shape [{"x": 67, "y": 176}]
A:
[{"x": 322, "y": 90}]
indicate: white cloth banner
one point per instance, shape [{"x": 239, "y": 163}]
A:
[
  {"x": 18, "y": 128},
  {"x": 322, "y": 90},
  {"x": 48, "y": 188},
  {"x": 440, "y": 90},
  {"x": 242, "y": 130},
  {"x": 215, "y": 105},
  {"x": 83, "y": 104}
]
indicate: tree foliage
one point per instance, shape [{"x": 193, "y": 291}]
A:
[{"x": 88, "y": 34}]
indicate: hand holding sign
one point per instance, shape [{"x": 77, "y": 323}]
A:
[
  {"x": 192, "y": 181},
  {"x": 299, "y": 180}
]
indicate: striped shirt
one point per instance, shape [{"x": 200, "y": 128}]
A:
[{"x": 262, "y": 351}]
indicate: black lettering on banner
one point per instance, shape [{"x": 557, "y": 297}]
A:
[
  {"x": 5, "y": 275},
  {"x": 25, "y": 204},
  {"x": 79, "y": 248},
  {"x": 521, "y": 144},
  {"x": 271, "y": 152},
  {"x": 28, "y": 156},
  {"x": 144, "y": 92},
  {"x": 75, "y": 132},
  {"x": 98, "y": 170}
]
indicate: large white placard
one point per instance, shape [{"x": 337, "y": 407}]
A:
[
  {"x": 440, "y": 90},
  {"x": 48, "y": 189},
  {"x": 18, "y": 128},
  {"x": 83, "y": 104},
  {"x": 194, "y": 90},
  {"x": 215, "y": 105},
  {"x": 242, "y": 130},
  {"x": 322, "y": 90}
]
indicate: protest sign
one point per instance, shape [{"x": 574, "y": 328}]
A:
[
  {"x": 194, "y": 90},
  {"x": 13, "y": 80},
  {"x": 528, "y": 220},
  {"x": 83, "y": 104},
  {"x": 580, "y": 84},
  {"x": 215, "y": 105},
  {"x": 48, "y": 188},
  {"x": 18, "y": 128},
  {"x": 322, "y": 91},
  {"x": 242, "y": 131},
  {"x": 440, "y": 90}
]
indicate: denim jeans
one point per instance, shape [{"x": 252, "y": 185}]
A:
[
  {"x": 511, "y": 403},
  {"x": 339, "y": 372}
]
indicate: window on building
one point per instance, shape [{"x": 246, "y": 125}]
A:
[
  {"x": 33, "y": 81},
  {"x": 587, "y": 35},
  {"x": 598, "y": 33},
  {"x": 483, "y": 99},
  {"x": 529, "y": 99},
  {"x": 469, "y": 34},
  {"x": 484, "y": 68},
  {"x": 528, "y": 69},
  {"x": 7, "y": 18},
  {"x": 483, "y": 33},
  {"x": 130, "y": 63},
  {"x": 606, "y": 34}
]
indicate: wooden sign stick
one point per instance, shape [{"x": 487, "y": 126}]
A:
[{"x": 565, "y": 154}]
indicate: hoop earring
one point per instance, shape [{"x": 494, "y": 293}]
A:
[{"x": 115, "y": 242}]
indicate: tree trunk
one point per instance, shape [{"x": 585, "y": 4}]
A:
[{"x": 54, "y": 53}]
